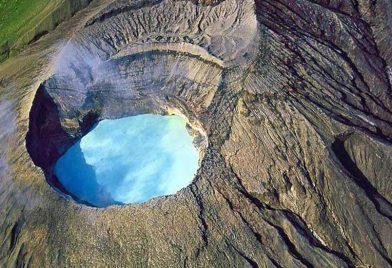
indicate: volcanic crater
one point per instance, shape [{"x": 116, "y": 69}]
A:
[{"x": 290, "y": 106}]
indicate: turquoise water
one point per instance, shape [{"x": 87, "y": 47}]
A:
[{"x": 129, "y": 160}]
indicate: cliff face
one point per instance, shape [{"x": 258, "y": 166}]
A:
[{"x": 295, "y": 98}]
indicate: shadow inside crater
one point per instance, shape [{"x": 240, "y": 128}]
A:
[{"x": 78, "y": 175}]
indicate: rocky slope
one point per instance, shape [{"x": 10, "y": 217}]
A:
[{"x": 294, "y": 95}]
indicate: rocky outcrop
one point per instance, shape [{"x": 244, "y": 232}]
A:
[{"x": 294, "y": 96}]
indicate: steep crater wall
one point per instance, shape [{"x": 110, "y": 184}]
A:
[
  {"x": 66, "y": 108},
  {"x": 135, "y": 58}
]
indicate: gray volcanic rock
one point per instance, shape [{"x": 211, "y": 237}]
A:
[{"x": 294, "y": 97}]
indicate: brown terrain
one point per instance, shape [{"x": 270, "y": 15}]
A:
[{"x": 295, "y": 97}]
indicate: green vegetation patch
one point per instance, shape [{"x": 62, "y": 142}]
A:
[{"x": 18, "y": 17}]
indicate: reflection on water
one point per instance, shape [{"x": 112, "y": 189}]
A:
[{"x": 129, "y": 160}]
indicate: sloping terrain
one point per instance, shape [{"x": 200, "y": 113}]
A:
[{"x": 294, "y": 96}]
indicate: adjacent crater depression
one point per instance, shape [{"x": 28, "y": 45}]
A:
[{"x": 129, "y": 160}]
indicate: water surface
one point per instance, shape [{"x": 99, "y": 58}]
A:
[{"x": 129, "y": 160}]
